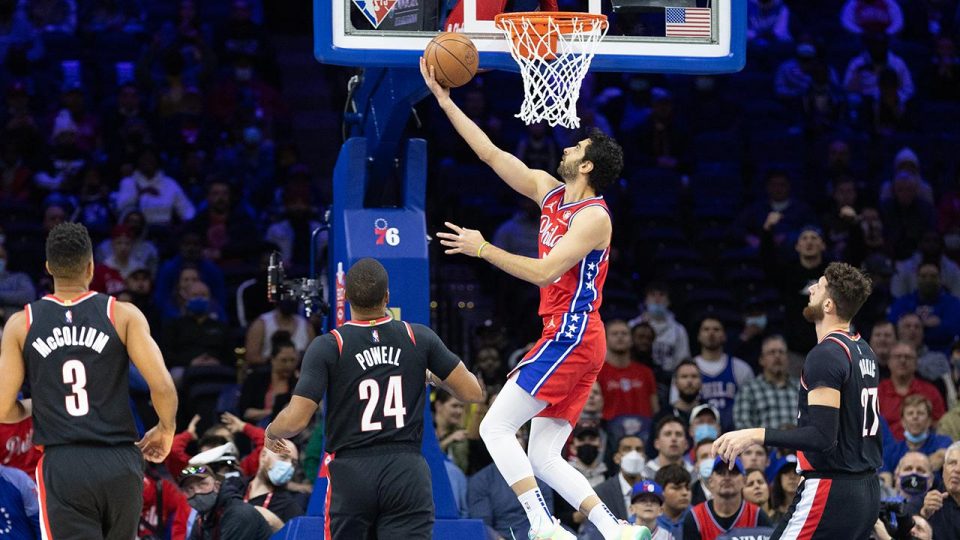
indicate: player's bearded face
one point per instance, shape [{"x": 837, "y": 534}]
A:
[
  {"x": 814, "y": 312},
  {"x": 568, "y": 168}
]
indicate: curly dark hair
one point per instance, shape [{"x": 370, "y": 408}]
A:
[
  {"x": 848, "y": 287},
  {"x": 366, "y": 284},
  {"x": 69, "y": 250},
  {"x": 607, "y": 158}
]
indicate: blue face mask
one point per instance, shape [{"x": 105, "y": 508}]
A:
[
  {"x": 916, "y": 439},
  {"x": 198, "y": 306},
  {"x": 705, "y": 469},
  {"x": 280, "y": 472},
  {"x": 656, "y": 310},
  {"x": 705, "y": 431},
  {"x": 760, "y": 321}
]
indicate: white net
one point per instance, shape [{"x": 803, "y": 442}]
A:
[{"x": 554, "y": 54}]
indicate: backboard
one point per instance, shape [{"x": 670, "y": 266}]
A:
[{"x": 664, "y": 36}]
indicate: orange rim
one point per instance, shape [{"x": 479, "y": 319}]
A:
[{"x": 541, "y": 20}]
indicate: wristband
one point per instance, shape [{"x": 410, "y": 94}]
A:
[{"x": 480, "y": 249}]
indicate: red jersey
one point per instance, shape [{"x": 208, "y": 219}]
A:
[
  {"x": 579, "y": 288},
  {"x": 626, "y": 391},
  {"x": 710, "y": 529},
  {"x": 17, "y": 449}
]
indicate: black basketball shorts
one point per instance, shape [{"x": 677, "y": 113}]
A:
[
  {"x": 827, "y": 508},
  {"x": 90, "y": 492}
]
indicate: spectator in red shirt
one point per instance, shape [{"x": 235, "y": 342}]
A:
[
  {"x": 628, "y": 387},
  {"x": 902, "y": 383},
  {"x": 18, "y": 450}
]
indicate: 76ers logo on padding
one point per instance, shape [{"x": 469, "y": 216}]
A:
[
  {"x": 375, "y": 10},
  {"x": 385, "y": 234}
]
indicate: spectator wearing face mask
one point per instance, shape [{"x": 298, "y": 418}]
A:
[
  {"x": 586, "y": 454},
  {"x": 749, "y": 341},
  {"x": 617, "y": 490},
  {"x": 700, "y": 488},
  {"x": 671, "y": 344},
  {"x": 912, "y": 479},
  {"x": 285, "y": 318},
  {"x": 918, "y": 435},
  {"x": 197, "y": 337},
  {"x": 704, "y": 423},
  {"x": 222, "y": 512},
  {"x": 268, "y": 489},
  {"x": 937, "y": 308}
]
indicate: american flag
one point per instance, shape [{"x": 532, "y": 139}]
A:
[{"x": 688, "y": 22}]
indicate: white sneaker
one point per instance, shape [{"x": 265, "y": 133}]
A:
[
  {"x": 635, "y": 532},
  {"x": 557, "y": 532}
]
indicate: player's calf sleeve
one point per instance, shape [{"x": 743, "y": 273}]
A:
[
  {"x": 547, "y": 437},
  {"x": 512, "y": 408}
]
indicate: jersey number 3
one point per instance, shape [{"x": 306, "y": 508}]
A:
[
  {"x": 392, "y": 404},
  {"x": 75, "y": 374},
  {"x": 868, "y": 400}
]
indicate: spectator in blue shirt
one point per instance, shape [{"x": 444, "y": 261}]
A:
[
  {"x": 191, "y": 253},
  {"x": 19, "y": 505},
  {"x": 916, "y": 417},
  {"x": 938, "y": 310}
]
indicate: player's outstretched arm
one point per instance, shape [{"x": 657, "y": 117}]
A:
[
  {"x": 293, "y": 419},
  {"x": 145, "y": 354},
  {"x": 528, "y": 182},
  {"x": 591, "y": 230},
  {"x": 820, "y": 435},
  {"x": 12, "y": 368},
  {"x": 462, "y": 384}
]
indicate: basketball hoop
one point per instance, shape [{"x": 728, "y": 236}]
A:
[{"x": 554, "y": 50}]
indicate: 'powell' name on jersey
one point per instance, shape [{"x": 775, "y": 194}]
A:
[
  {"x": 71, "y": 336},
  {"x": 377, "y": 356}
]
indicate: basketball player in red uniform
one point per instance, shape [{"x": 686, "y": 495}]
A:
[{"x": 551, "y": 384}]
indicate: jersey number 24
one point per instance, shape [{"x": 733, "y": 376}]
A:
[{"x": 392, "y": 403}]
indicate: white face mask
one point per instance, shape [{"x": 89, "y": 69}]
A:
[{"x": 632, "y": 463}]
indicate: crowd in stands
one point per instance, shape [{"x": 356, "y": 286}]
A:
[{"x": 160, "y": 126}]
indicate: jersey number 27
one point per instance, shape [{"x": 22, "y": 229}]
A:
[
  {"x": 868, "y": 400},
  {"x": 392, "y": 404}
]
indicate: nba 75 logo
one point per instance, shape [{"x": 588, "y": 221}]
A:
[
  {"x": 375, "y": 10},
  {"x": 386, "y": 235}
]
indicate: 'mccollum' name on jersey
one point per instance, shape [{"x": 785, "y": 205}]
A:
[
  {"x": 71, "y": 336},
  {"x": 378, "y": 356}
]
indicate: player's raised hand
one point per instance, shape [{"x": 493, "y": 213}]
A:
[
  {"x": 730, "y": 445},
  {"x": 461, "y": 240},
  {"x": 429, "y": 77},
  {"x": 281, "y": 447},
  {"x": 155, "y": 444},
  {"x": 232, "y": 422}
]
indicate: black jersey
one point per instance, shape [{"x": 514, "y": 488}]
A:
[
  {"x": 848, "y": 364},
  {"x": 373, "y": 374},
  {"x": 77, "y": 367}
]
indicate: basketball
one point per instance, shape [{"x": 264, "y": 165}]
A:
[{"x": 454, "y": 58}]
